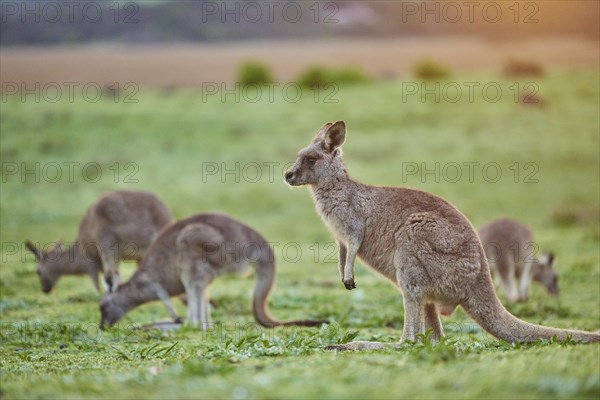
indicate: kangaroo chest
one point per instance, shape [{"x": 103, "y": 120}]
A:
[{"x": 335, "y": 219}]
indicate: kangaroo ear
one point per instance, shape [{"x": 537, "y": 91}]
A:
[
  {"x": 547, "y": 259},
  {"x": 34, "y": 250},
  {"x": 334, "y": 136},
  {"x": 321, "y": 132}
]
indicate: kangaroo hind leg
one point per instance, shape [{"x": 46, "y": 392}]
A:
[{"x": 432, "y": 321}]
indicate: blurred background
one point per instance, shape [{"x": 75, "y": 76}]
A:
[
  {"x": 490, "y": 104},
  {"x": 168, "y": 45},
  {"x": 127, "y": 85}
]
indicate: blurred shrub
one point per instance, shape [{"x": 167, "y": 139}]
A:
[
  {"x": 430, "y": 69},
  {"x": 254, "y": 72},
  {"x": 574, "y": 215},
  {"x": 532, "y": 100},
  {"x": 319, "y": 77},
  {"x": 518, "y": 68}
]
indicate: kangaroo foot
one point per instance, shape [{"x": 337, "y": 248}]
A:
[{"x": 350, "y": 284}]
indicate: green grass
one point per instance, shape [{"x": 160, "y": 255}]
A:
[{"x": 50, "y": 344}]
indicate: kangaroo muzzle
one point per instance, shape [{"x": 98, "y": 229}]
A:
[{"x": 290, "y": 178}]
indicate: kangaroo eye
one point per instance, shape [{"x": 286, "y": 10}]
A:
[{"x": 311, "y": 161}]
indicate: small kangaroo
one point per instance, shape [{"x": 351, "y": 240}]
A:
[
  {"x": 510, "y": 251},
  {"x": 417, "y": 240},
  {"x": 119, "y": 226},
  {"x": 186, "y": 257}
]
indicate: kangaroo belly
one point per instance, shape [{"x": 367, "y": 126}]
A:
[
  {"x": 446, "y": 309},
  {"x": 378, "y": 260}
]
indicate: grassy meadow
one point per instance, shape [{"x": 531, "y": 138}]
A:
[{"x": 538, "y": 164}]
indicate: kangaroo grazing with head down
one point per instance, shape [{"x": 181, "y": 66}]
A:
[
  {"x": 510, "y": 251},
  {"x": 119, "y": 226},
  {"x": 186, "y": 257},
  {"x": 417, "y": 240}
]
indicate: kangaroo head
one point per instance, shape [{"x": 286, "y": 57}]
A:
[
  {"x": 321, "y": 160},
  {"x": 50, "y": 263},
  {"x": 545, "y": 273},
  {"x": 110, "y": 311}
]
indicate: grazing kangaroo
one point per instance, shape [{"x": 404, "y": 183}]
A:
[
  {"x": 510, "y": 251},
  {"x": 119, "y": 226},
  {"x": 417, "y": 240},
  {"x": 186, "y": 257}
]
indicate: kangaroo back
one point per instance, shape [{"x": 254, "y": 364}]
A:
[{"x": 124, "y": 222}]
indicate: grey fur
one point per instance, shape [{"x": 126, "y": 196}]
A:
[
  {"x": 511, "y": 254},
  {"x": 119, "y": 226},
  {"x": 417, "y": 240},
  {"x": 186, "y": 257}
]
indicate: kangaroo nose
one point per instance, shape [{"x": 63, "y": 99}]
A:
[{"x": 289, "y": 175}]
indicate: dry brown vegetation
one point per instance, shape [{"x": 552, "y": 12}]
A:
[{"x": 173, "y": 66}]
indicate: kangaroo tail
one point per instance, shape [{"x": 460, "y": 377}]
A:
[
  {"x": 485, "y": 308},
  {"x": 265, "y": 279}
]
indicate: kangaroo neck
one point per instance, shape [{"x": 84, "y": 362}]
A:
[
  {"x": 133, "y": 293},
  {"x": 338, "y": 201},
  {"x": 331, "y": 188},
  {"x": 84, "y": 261},
  {"x": 72, "y": 261}
]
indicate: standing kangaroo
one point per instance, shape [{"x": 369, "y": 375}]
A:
[
  {"x": 119, "y": 226},
  {"x": 186, "y": 257},
  {"x": 415, "y": 239},
  {"x": 510, "y": 251}
]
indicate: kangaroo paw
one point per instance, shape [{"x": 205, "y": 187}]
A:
[{"x": 350, "y": 284}]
